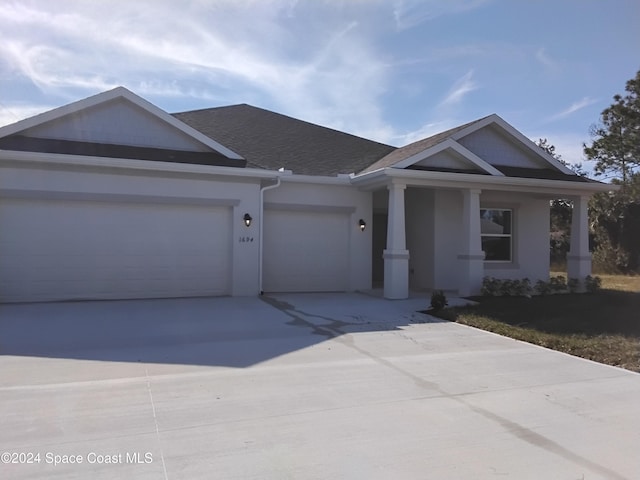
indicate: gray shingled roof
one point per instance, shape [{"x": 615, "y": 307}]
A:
[
  {"x": 407, "y": 151},
  {"x": 270, "y": 140}
]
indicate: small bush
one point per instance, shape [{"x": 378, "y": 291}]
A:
[
  {"x": 592, "y": 284},
  {"x": 438, "y": 300},
  {"x": 543, "y": 288},
  {"x": 573, "y": 284},
  {"x": 522, "y": 288},
  {"x": 507, "y": 288},
  {"x": 491, "y": 287},
  {"x": 558, "y": 284},
  {"x": 494, "y": 287}
]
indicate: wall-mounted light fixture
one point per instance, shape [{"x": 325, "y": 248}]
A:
[
  {"x": 247, "y": 219},
  {"x": 362, "y": 225}
]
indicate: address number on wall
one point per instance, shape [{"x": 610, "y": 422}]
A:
[{"x": 245, "y": 239}]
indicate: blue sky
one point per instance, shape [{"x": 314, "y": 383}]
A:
[{"x": 393, "y": 71}]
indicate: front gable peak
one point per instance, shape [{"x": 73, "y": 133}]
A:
[
  {"x": 487, "y": 146},
  {"x": 116, "y": 118}
]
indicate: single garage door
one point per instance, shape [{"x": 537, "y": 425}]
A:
[
  {"x": 305, "y": 251},
  {"x": 62, "y": 250}
]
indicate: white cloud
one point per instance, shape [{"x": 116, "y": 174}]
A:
[
  {"x": 425, "y": 131},
  {"x": 411, "y": 13},
  {"x": 13, "y": 113},
  {"x": 225, "y": 51},
  {"x": 574, "y": 107},
  {"x": 460, "y": 88},
  {"x": 543, "y": 57}
]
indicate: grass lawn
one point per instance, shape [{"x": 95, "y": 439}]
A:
[{"x": 604, "y": 326}]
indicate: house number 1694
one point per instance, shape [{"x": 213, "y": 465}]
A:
[{"x": 245, "y": 239}]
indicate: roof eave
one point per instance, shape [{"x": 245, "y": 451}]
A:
[
  {"x": 57, "y": 160},
  {"x": 384, "y": 176}
]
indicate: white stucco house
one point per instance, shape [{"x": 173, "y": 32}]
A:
[{"x": 111, "y": 197}]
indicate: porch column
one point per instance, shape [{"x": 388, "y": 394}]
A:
[
  {"x": 396, "y": 255},
  {"x": 579, "y": 257},
  {"x": 471, "y": 259}
]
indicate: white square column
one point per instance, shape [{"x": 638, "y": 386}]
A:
[
  {"x": 579, "y": 257},
  {"x": 471, "y": 259},
  {"x": 396, "y": 255}
]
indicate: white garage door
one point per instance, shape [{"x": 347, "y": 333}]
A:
[
  {"x": 305, "y": 251},
  {"x": 60, "y": 250}
]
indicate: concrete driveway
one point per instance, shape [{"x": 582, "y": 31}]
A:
[{"x": 298, "y": 386}]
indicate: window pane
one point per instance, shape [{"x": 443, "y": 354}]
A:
[
  {"x": 497, "y": 248},
  {"x": 495, "y": 222}
]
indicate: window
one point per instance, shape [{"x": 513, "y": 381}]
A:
[{"x": 495, "y": 229}]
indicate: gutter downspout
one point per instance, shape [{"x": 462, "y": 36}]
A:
[{"x": 260, "y": 248}]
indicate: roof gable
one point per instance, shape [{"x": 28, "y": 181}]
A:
[
  {"x": 500, "y": 144},
  {"x": 117, "y": 117},
  {"x": 488, "y": 146}
]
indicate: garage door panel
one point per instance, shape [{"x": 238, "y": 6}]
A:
[
  {"x": 305, "y": 251},
  {"x": 70, "y": 249}
]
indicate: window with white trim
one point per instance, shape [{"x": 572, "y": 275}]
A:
[{"x": 496, "y": 233}]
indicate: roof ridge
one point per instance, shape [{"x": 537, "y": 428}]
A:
[{"x": 271, "y": 112}]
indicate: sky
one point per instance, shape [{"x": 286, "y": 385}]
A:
[{"x": 394, "y": 71}]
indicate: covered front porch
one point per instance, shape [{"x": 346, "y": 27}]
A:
[{"x": 431, "y": 232}]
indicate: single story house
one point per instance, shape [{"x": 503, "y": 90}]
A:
[{"x": 111, "y": 197}]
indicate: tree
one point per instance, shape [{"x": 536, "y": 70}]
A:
[
  {"x": 615, "y": 217},
  {"x": 560, "y": 228},
  {"x": 544, "y": 144},
  {"x": 616, "y": 141}
]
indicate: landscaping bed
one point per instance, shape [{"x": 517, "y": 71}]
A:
[{"x": 602, "y": 326}]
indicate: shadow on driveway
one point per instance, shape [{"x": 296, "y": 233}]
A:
[{"x": 232, "y": 332}]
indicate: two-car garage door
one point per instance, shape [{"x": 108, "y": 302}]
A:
[{"x": 70, "y": 249}]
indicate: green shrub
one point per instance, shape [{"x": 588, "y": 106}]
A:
[
  {"x": 573, "y": 284},
  {"x": 522, "y": 288},
  {"x": 507, "y": 288},
  {"x": 558, "y": 284},
  {"x": 494, "y": 287},
  {"x": 592, "y": 284},
  {"x": 438, "y": 300},
  {"x": 491, "y": 287},
  {"x": 543, "y": 288}
]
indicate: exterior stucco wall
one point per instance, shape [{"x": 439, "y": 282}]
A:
[
  {"x": 530, "y": 237},
  {"x": 419, "y": 221},
  {"x": 433, "y": 222},
  {"x": 447, "y": 233},
  {"x": 327, "y": 199}
]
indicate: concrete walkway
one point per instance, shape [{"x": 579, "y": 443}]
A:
[{"x": 299, "y": 386}]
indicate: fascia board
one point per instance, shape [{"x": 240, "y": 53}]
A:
[
  {"x": 446, "y": 145},
  {"x": 313, "y": 179},
  {"x": 476, "y": 160},
  {"x": 417, "y": 157},
  {"x": 465, "y": 180},
  {"x": 53, "y": 160}
]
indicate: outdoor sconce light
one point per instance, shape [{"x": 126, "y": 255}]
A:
[
  {"x": 247, "y": 219},
  {"x": 362, "y": 225}
]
